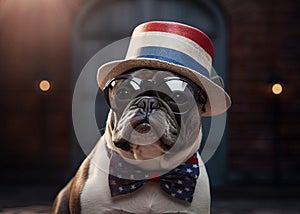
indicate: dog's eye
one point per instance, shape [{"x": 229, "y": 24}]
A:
[
  {"x": 179, "y": 98},
  {"x": 123, "y": 94}
]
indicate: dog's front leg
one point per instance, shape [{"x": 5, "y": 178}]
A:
[
  {"x": 61, "y": 203},
  {"x": 68, "y": 200}
]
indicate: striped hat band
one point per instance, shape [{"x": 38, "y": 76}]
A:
[{"x": 172, "y": 42}]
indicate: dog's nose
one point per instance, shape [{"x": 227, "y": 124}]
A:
[{"x": 148, "y": 104}]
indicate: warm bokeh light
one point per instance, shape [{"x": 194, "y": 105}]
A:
[
  {"x": 45, "y": 85},
  {"x": 277, "y": 88}
]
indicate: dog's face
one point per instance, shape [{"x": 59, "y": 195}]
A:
[{"x": 152, "y": 111}]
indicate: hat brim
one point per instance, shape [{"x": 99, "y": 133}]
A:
[{"x": 218, "y": 100}]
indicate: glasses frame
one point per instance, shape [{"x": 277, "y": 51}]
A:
[{"x": 198, "y": 93}]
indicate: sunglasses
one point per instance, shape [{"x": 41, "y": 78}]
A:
[{"x": 179, "y": 93}]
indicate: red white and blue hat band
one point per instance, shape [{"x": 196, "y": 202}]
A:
[
  {"x": 172, "y": 45},
  {"x": 171, "y": 56},
  {"x": 186, "y": 31}
]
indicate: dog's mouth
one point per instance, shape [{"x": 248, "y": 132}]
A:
[
  {"x": 127, "y": 146},
  {"x": 142, "y": 126},
  {"x": 149, "y": 133}
]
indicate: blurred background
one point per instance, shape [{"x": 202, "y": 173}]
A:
[{"x": 44, "y": 45}]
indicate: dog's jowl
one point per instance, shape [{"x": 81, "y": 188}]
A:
[{"x": 147, "y": 161}]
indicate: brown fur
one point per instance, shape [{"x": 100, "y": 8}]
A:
[{"x": 68, "y": 200}]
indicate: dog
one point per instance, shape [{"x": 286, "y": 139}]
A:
[
  {"x": 147, "y": 161},
  {"x": 145, "y": 129}
]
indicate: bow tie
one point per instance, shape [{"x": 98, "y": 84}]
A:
[{"x": 179, "y": 183}]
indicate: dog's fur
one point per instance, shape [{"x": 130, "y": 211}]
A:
[{"x": 88, "y": 191}]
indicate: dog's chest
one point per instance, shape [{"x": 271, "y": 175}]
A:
[
  {"x": 96, "y": 197},
  {"x": 149, "y": 199}
]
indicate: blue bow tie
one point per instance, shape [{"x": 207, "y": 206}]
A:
[{"x": 179, "y": 183}]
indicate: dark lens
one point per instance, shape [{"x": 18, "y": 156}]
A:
[
  {"x": 178, "y": 94},
  {"x": 179, "y": 98},
  {"x": 121, "y": 92}
]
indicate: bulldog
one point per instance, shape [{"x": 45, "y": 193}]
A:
[{"x": 147, "y": 160}]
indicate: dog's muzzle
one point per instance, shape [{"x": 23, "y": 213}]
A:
[
  {"x": 145, "y": 114},
  {"x": 148, "y": 104}
]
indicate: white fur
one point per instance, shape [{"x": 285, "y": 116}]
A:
[{"x": 96, "y": 198}]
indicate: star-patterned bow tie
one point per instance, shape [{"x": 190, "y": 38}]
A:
[{"x": 179, "y": 183}]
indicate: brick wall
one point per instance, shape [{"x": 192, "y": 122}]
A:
[
  {"x": 35, "y": 43},
  {"x": 264, "y": 39}
]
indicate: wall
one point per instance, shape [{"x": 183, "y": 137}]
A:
[
  {"x": 264, "y": 39},
  {"x": 35, "y": 127}
]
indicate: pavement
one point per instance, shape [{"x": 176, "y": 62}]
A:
[{"x": 231, "y": 199}]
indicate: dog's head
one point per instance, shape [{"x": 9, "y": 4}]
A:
[{"x": 153, "y": 113}]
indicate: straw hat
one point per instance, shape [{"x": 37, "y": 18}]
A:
[{"x": 176, "y": 47}]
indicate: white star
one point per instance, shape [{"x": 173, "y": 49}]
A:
[
  {"x": 179, "y": 181},
  {"x": 133, "y": 186},
  {"x": 195, "y": 166},
  {"x": 189, "y": 170},
  {"x": 167, "y": 186},
  {"x": 121, "y": 189},
  {"x": 179, "y": 191},
  {"x": 173, "y": 194},
  {"x": 186, "y": 189}
]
